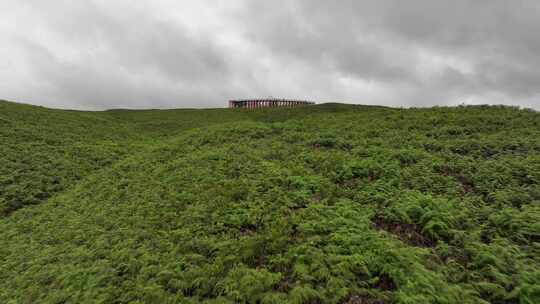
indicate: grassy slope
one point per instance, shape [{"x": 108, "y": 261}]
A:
[{"x": 323, "y": 204}]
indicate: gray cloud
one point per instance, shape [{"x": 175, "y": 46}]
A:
[{"x": 104, "y": 54}]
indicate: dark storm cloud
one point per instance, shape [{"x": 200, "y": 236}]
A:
[
  {"x": 103, "y": 54},
  {"x": 480, "y": 49}
]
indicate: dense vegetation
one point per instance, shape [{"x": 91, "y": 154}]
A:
[{"x": 321, "y": 204}]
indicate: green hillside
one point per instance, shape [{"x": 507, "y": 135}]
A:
[{"x": 321, "y": 204}]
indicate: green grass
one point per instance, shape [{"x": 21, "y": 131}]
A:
[{"x": 322, "y": 204}]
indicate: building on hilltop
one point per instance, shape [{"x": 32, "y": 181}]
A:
[{"x": 267, "y": 103}]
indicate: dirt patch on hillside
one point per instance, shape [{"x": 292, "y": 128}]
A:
[{"x": 408, "y": 233}]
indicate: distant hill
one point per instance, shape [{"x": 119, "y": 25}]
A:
[{"x": 329, "y": 203}]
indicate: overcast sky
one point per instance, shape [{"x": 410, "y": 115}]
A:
[{"x": 98, "y": 54}]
